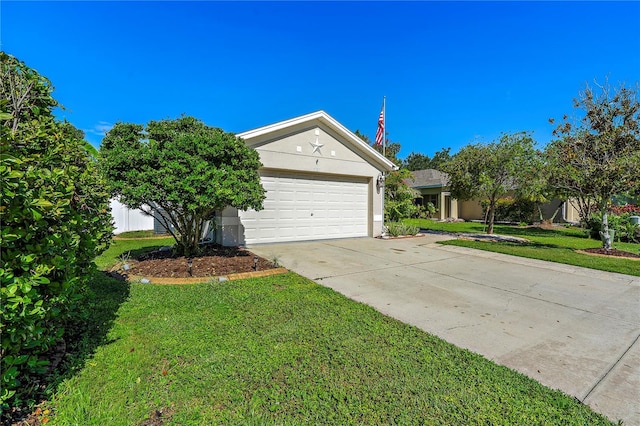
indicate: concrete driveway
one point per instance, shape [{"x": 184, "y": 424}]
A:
[{"x": 569, "y": 328}]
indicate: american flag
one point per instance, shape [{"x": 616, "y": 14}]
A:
[{"x": 380, "y": 132}]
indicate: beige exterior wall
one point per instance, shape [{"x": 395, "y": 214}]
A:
[
  {"x": 567, "y": 213},
  {"x": 571, "y": 213},
  {"x": 470, "y": 210},
  {"x": 308, "y": 149}
]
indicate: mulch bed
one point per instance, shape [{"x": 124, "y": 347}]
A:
[
  {"x": 611, "y": 252},
  {"x": 214, "y": 260},
  {"x": 399, "y": 237}
]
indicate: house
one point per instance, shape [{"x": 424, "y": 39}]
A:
[
  {"x": 433, "y": 187},
  {"x": 321, "y": 182}
]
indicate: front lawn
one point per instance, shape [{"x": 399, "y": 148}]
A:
[
  {"x": 284, "y": 350},
  {"x": 120, "y": 249},
  {"x": 555, "y": 245}
]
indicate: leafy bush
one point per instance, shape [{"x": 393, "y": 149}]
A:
[
  {"x": 627, "y": 208},
  {"x": 398, "y": 200},
  {"x": 513, "y": 210},
  {"x": 625, "y": 231},
  {"x": 424, "y": 211},
  {"x": 55, "y": 220},
  {"x": 397, "y": 229}
]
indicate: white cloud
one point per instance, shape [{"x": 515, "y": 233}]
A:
[{"x": 100, "y": 129}]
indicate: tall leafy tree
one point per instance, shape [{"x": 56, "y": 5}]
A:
[
  {"x": 181, "y": 172},
  {"x": 489, "y": 171},
  {"x": 417, "y": 161},
  {"x": 598, "y": 156},
  {"x": 390, "y": 150},
  {"x": 440, "y": 157},
  {"x": 55, "y": 221}
]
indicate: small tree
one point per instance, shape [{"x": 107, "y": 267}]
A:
[
  {"x": 490, "y": 171},
  {"x": 598, "y": 157},
  {"x": 181, "y": 172},
  {"x": 399, "y": 197}
]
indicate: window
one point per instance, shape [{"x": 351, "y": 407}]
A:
[{"x": 431, "y": 198}]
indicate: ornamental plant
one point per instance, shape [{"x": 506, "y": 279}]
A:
[
  {"x": 597, "y": 156},
  {"x": 55, "y": 221},
  {"x": 181, "y": 172}
]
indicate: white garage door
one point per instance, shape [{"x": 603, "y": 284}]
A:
[{"x": 308, "y": 208}]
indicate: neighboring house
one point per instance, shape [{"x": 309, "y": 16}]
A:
[
  {"x": 321, "y": 182},
  {"x": 432, "y": 186},
  {"x": 126, "y": 219}
]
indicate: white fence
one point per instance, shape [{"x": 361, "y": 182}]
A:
[{"x": 127, "y": 219}]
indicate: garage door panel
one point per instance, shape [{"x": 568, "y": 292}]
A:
[{"x": 300, "y": 208}]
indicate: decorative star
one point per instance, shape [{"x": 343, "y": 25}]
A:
[{"x": 316, "y": 146}]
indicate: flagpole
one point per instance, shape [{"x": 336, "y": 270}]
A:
[
  {"x": 384, "y": 145},
  {"x": 384, "y": 125}
]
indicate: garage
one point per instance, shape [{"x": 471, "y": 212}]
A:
[
  {"x": 305, "y": 207},
  {"x": 321, "y": 182}
]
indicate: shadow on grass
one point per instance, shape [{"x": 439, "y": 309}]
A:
[
  {"x": 538, "y": 232},
  {"x": 89, "y": 330},
  {"x": 537, "y": 245},
  {"x": 84, "y": 333},
  {"x": 531, "y": 245}
]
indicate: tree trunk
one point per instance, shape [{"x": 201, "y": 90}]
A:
[
  {"x": 606, "y": 237},
  {"x": 553, "y": 217},
  {"x": 492, "y": 216}
]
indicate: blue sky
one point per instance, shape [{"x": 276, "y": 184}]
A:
[{"x": 453, "y": 72}]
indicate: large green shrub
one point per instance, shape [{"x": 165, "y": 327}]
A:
[
  {"x": 625, "y": 230},
  {"x": 512, "y": 210},
  {"x": 55, "y": 221}
]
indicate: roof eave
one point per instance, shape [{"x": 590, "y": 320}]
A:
[{"x": 330, "y": 122}]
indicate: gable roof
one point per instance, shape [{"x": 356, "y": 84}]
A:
[
  {"x": 428, "y": 178},
  {"x": 274, "y": 131}
]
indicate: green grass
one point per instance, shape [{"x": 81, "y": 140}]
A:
[
  {"x": 554, "y": 245},
  {"x": 281, "y": 350},
  {"x": 284, "y": 350},
  {"x": 141, "y": 234},
  {"x": 131, "y": 247}
]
